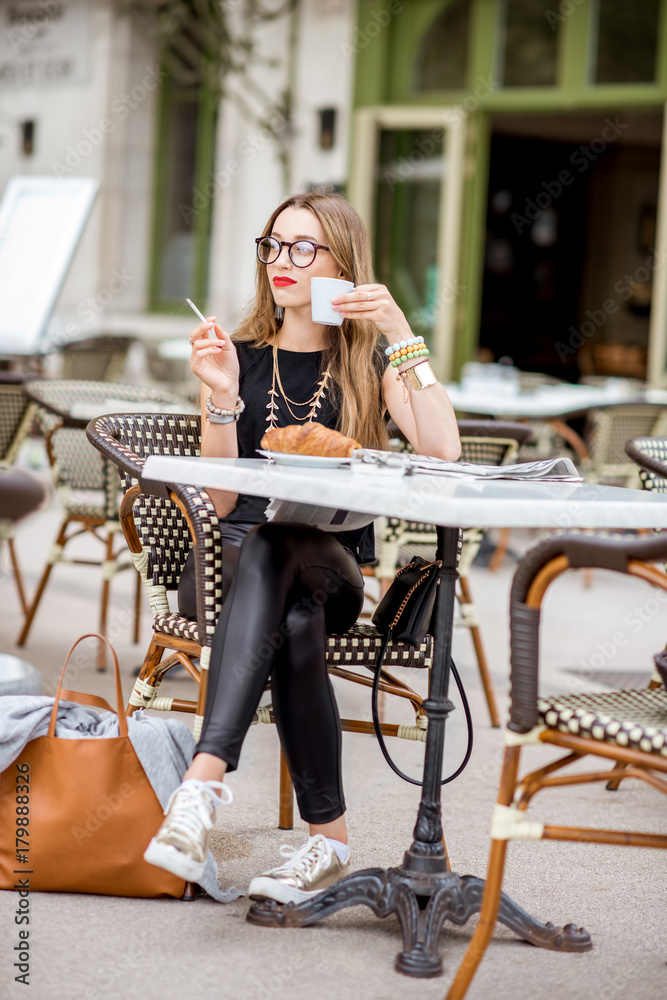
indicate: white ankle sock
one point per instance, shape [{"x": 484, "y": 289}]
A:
[{"x": 342, "y": 850}]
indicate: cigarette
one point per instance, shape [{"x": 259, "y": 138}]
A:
[{"x": 196, "y": 311}]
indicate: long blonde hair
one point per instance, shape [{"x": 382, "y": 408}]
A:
[{"x": 351, "y": 353}]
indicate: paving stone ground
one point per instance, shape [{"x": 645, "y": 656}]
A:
[{"x": 89, "y": 947}]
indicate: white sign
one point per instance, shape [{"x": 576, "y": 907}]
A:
[
  {"x": 43, "y": 42},
  {"x": 41, "y": 221}
]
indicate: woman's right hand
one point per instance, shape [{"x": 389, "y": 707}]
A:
[{"x": 214, "y": 359}]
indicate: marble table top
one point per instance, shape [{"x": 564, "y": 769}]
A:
[{"x": 451, "y": 502}]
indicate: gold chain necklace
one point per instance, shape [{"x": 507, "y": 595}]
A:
[{"x": 314, "y": 402}]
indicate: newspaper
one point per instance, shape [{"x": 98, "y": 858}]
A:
[
  {"x": 326, "y": 518},
  {"x": 368, "y": 460},
  {"x": 553, "y": 470}
]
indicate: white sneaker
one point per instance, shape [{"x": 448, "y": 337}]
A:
[
  {"x": 181, "y": 844},
  {"x": 310, "y": 869}
]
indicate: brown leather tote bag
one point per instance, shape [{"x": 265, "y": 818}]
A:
[{"x": 76, "y": 814}]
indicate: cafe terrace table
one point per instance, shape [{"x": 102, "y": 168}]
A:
[
  {"x": 553, "y": 404},
  {"x": 423, "y": 891},
  {"x": 547, "y": 402}
]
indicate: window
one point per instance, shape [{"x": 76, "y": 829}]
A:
[
  {"x": 193, "y": 44},
  {"x": 627, "y": 39},
  {"x": 530, "y": 44},
  {"x": 442, "y": 60},
  {"x": 408, "y": 192},
  {"x": 183, "y": 198}
]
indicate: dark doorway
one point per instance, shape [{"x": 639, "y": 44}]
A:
[
  {"x": 570, "y": 229},
  {"x": 534, "y": 254}
]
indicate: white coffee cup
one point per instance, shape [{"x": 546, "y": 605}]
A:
[{"x": 322, "y": 291}]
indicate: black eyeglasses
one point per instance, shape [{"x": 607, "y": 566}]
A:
[{"x": 301, "y": 253}]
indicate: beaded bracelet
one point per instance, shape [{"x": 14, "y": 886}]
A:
[
  {"x": 406, "y": 350},
  {"x": 220, "y": 415},
  {"x": 221, "y": 411}
]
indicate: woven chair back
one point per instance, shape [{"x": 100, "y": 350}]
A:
[
  {"x": 58, "y": 396},
  {"x": 127, "y": 441},
  {"x": 609, "y": 428},
  {"x": 16, "y": 413},
  {"x": 98, "y": 358},
  {"x": 650, "y": 454},
  {"x": 76, "y": 464},
  {"x": 488, "y": 451}
]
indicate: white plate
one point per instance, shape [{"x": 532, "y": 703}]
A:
[{"x": 307, "y": 461}]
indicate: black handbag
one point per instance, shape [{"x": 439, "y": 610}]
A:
[
  {"x": 404, "y": 615},
  {"x": 404, "y": 612}
]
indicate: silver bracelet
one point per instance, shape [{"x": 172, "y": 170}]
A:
[{"x": 217, "y": 418}]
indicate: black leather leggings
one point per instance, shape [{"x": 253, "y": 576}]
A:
[{"x": 293, "y": 585}]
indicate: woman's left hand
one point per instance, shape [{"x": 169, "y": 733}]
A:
[{"x": 374, "y": 302}]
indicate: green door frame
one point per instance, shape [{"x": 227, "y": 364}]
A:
[
  {"x": 367, "y": 125},
  {"x": 208, "y": 101},
  {"x": 386, "y": 42}
]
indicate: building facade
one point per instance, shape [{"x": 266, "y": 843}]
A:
[
  {"x": 188, "y": 174},
  {"x": 506, "y": 156}
]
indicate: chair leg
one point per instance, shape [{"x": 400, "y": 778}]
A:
[
  {"x": 30, "y": 613},
  {"x": 446, "y": 851},
  {"x": 481, "y": 659},
  {"x": 286, "y": 802},
  {"x": 204, "y": 661},
  {"x": 487, "y": 922},
  {"x": 137, "y": 609},
  {"x": 613, "y": 783},
  {"x": 151, "y": 660},
  {"x": 17, "y": 575},
  {"x": 501, "y": 548},
  {"x": 493, "y": 886},
  {"x": 107, "y": 570}
]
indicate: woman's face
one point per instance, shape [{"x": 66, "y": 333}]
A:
[{"x": 290, "y": 285}]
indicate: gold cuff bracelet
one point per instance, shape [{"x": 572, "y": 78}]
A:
[{"x": 419, "y": 376}]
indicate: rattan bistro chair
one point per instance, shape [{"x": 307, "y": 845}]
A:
[
  {"x": 160, "y": 523},
  {"x": 95, "y": 359},
  {"x": 626, "y": 727},
  {"x": 606, "y": 432},
  {"x": 650, "y": 454},
  {"x": 87, "y": 485},
  {"x": 483, "y": 442},
  {"x": 17, "y": 413}
]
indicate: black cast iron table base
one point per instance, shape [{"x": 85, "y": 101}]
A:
[
  {"x": 422, "y": 903},
  {"x": 424, "y": 892}
]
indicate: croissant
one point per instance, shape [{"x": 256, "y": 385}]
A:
[{"x": 309, "y": 439}]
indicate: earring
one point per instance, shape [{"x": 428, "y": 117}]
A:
[{"x": 279, "y": 314}]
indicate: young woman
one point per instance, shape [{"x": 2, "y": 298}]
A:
[{"x": 281, "y": 368}]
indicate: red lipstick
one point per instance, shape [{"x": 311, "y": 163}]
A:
[{"x": 280, "y": 282}]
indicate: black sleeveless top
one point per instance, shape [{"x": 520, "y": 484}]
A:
[{"x": 299, "y": 374}]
